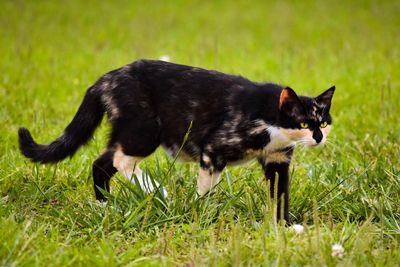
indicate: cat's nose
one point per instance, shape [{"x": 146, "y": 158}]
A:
[{"x": 317, "y": 135}]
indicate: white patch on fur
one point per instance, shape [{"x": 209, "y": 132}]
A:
[
  {"x": 206, "y": 159},
  {"x": 105, "y": 85},
  {"x": 228, "y": 132},
  {"x": 315, "y": 109},
  {"x": 233, "y": 140},
  {"x": 281, "y": 138},
  {"x": 128, "y": 165},
  {"x": 206, "y": 181},
  {"x": 259, "y": 127},
  {"x": 193, "y": 103},
  {"x": 209, "y": 148},
  {"x": 111, "y": 107}
]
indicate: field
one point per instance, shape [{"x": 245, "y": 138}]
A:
[{"x": 345, "y": 193}]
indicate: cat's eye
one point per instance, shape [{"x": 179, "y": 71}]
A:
[
  {"x": 323, "y": 124},
  {"x": 304, "y": 125}
]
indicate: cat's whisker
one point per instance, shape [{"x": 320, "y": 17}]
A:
[{"x": 303, "y": 142}]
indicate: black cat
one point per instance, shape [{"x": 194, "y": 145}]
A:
[{"x": 230, "y": 119}]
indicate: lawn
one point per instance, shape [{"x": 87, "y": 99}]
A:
[{"x": 345, "y": 193}]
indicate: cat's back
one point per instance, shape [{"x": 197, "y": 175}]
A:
[
  {"x": 177, "y": 86},
  {"x": 167, "y": 74}
]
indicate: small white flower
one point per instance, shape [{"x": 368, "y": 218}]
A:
[
  {"x": 298, "y": 228},
  {"x": 337, "y": 250},
  {"x": 165, "y": 58}
]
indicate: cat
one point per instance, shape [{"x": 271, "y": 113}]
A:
[{"x": 229, "y": 119}]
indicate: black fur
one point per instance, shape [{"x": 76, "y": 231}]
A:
[
  {"x": 282, "y": 170},
  {"x": 77, "y": 133},
  {"x": 103, "y": 170},
  {"x": 153, "y": 102}
]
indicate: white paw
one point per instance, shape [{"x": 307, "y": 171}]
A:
[
  {"x": 102, "y": 204},
  {"x": 95, "y": 202}
]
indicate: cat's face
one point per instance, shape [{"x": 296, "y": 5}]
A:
[{"x": 305, "y": 120}]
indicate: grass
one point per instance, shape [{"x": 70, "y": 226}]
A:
[{"x": 347, "y": 192}]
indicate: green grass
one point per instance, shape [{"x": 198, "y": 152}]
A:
[{"x": 347, "y": 192}]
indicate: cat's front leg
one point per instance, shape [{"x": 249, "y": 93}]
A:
[
  {"x": 282, "y": 194},
  {"x": 209, "y": 174}
]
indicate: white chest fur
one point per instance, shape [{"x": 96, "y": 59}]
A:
[
  {"x": 279, "y": 139},
  {"x": 272, "y": 152}
]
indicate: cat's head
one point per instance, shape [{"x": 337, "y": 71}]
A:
[{"x": 305, "y": 120}]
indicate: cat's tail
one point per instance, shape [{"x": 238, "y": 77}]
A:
[{"x": 77, "y": 133}]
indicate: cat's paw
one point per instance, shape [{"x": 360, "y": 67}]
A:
[
  {"x": 101, "y": 204},
  {"x": 97, "y": 203}
]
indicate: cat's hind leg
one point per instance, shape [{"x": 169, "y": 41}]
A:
[
  {"x": 103, "y": 171},
  {"x": 128, "y": 166}
]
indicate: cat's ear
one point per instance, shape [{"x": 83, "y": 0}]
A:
[
  {"x": 325, "y": 98},
  {"x": 289, "y": 102}
]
